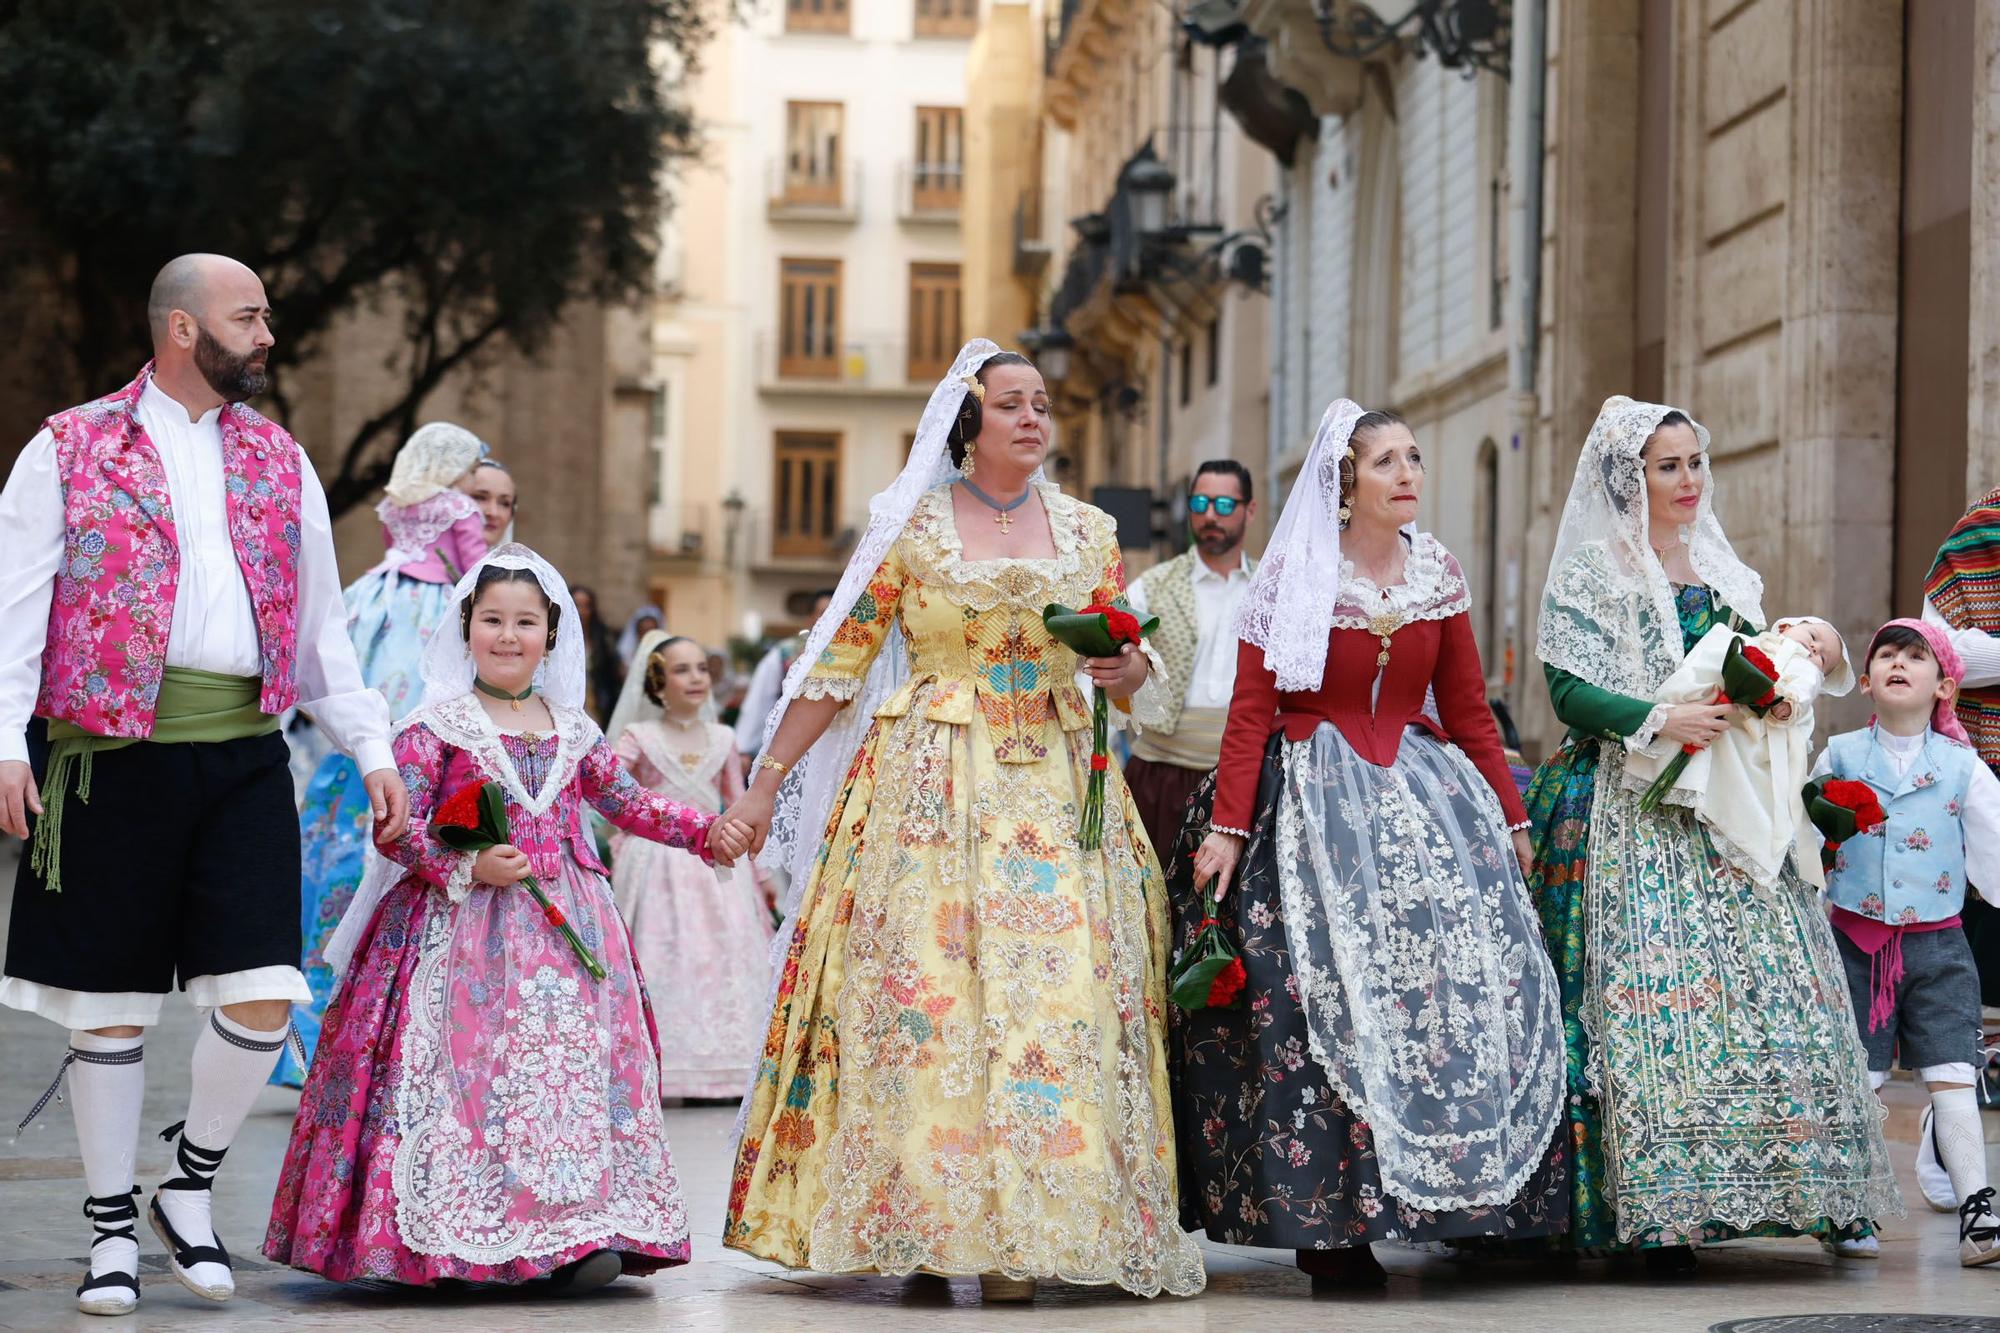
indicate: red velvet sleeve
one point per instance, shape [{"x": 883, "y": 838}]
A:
[
  {"x": 1252, "y": 707},
  {"x": 1460, "y": 686}
]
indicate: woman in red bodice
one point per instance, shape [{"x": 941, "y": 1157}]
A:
[{"x": 1394, "y": 1066}]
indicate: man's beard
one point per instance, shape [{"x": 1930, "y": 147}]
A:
[
  {"x": 1215, "y": 541},
  {"x": 232, "y": 376}
]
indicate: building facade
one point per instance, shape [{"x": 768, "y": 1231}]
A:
[
  {"x": 813, "y": 295},
  {"x": 1132, "y": 254}
]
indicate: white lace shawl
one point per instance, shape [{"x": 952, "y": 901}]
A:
[
  {"x": 413, "y": 528},
  {"x": 1607, "y": 614}
]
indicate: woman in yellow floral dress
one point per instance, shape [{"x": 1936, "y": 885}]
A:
[{"x": 964, "y": 1071}]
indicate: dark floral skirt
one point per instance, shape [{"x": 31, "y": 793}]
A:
[{"x": 1269, "y": 1156}]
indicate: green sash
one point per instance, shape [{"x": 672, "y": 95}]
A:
[{"x": 193, "y": 706}]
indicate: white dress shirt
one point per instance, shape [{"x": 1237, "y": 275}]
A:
[
  {"x": 1981, "y": 814},
  {"x": 1216, "y": 600},
  {"x": 214, "y": 627}
]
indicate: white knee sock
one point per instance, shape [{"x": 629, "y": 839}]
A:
[
  {"x": 231, "y": 1063},
  {"x": 1961, "y": 1141},
  {"x": 107, "y": 1094}
]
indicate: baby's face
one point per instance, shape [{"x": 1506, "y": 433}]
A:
[{"x": 1819, "y": 641}]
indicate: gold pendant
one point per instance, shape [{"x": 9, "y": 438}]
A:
[
  {"x": 514, "y": 704},
  {"x": 1004, "y": 519}
]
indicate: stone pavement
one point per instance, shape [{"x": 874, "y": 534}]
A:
[{"x": 42, "y": 1244}]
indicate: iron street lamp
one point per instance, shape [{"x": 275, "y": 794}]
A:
[{"x": 1463, "y": 34}]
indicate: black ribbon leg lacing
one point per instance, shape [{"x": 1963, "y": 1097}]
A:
[
  {"x": 70, "y": 1057},
  {"x": 198, "y": 1167},
  {"x": 111, "y": 1218},
  {"x": 1976, "y": 1221}
]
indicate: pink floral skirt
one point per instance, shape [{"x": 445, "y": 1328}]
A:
[{"x": 538, "y": 1112}]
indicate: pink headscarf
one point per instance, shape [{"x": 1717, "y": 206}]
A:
[{"x": 1944, "y": 718}]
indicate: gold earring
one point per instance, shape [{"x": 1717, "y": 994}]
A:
[
  {"x": 970, "y": 449},
  {"x": 1345, "y": 513}
]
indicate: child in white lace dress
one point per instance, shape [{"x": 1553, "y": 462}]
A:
[{"x": 1745, "y": 788}]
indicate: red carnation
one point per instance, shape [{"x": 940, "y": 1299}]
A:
[
  {"x": 1858, "y": 797},
  {"x": 1122, "y": 626},
  {"x": 1227, "y": 985},
  {"x": 1100, "y": 762},
  {"x": 461, "y": 810},
  {"x": 1760, "y": 659},
  {"x": 555, "y": 915}
]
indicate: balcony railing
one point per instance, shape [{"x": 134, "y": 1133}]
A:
[
  {"x": 930, "y": 191},
  {"x": 861, "y": 366},
  {"x": 817, "y": 194}
]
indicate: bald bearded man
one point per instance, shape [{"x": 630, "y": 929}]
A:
[{"x": 173, "y": 590}]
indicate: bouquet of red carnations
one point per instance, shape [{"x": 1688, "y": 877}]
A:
[
  {"x": 474, "y": 819},
  {"x": 1841, "y": 809},
  {"x": 1749, "y": 680},
  {"x": 1209, "y": 972},
  {"x": 1096, "y": 631}
]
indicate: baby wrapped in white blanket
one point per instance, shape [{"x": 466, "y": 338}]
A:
[{"x": 1744, "y": 788}]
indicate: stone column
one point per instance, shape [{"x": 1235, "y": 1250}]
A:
[
  {"x": 1982, "y": 434},
  {"x": 1590, "y": 137},
  {"x": 1837, "y": 419}
]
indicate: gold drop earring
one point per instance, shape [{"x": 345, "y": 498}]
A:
[{"x": 970, "y": 461}]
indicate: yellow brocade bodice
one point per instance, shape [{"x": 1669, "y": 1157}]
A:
[{"x": 973, "y": 628}]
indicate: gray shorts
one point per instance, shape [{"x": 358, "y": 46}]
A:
[{"x": 1936, "y": 1019}]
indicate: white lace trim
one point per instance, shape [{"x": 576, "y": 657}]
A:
[
  {"x": 1433, "y": 588},
  {"x": 843, "y": 688},
  {"x": 1641, "y": 741},
  {"x": 933, "y": 553},
  {"x": 459, "y": 883},
  {"x": 463, "y": 724},
  {"x": 413, "y": 529}
]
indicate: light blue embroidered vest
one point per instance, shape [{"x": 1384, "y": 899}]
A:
[{"x": 1912, "y": 869}]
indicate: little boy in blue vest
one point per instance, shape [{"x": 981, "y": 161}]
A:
[{"x": 1895, "y": 894}]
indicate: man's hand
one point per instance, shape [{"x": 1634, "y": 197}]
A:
[
  {"x": 390, "y": 802},
  {"x": 18, "y": 796}
]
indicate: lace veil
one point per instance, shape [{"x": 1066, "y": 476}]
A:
[
  {"x": 432, "y": 459},
  {"x": 806, "y": 797},
  {"x": 1607, "y": 609},
  {"x": 448, "y": 669},
  {"x": 448, "y": 673},
  {"x": 633, "y": 705}
]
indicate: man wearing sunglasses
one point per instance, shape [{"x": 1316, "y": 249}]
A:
[{"x": 1196, "y": 596}]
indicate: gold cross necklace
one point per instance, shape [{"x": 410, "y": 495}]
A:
[{"x": 1001, "y": 514}]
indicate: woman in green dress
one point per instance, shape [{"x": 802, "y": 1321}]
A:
[{"x": 1717, "y": 1087}]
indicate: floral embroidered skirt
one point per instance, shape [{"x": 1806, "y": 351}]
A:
[
  {"x": 480, "y": 1108},
  {"x": 964, "y": 1070},
  {"x": 1270, "y": 1154},
  {"x": 1699, "y": 971}
]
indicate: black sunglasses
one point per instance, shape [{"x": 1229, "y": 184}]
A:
[{"x": 1225, "y": 505}]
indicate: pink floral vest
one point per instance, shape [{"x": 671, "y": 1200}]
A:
[{"x": 114, "y": 593}]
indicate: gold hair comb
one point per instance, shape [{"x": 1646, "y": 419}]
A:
[{"x": 974, "y": 387}]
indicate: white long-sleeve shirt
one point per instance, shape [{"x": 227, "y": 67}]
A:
[
  {"x": 214, "y": 626},
  {"x": 1217, "y": 599},
  {"x": 1979, "y": 650},
  {"x": 760, "y": 696},
  {"x": 1981, "y": 814}
]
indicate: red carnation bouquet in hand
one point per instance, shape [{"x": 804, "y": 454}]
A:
[
  {"x": 475, "y": 818},
  {"x": 1209, "y": 972},
  {"x": 1099, "y": 630},
  {"x": 1749, "y": 680},
  {"x": 1841, "y": 809}
]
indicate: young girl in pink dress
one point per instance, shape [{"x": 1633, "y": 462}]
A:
[
  {"x": 481, "y": 1108},
  {"x": 702, "y": 936}
]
